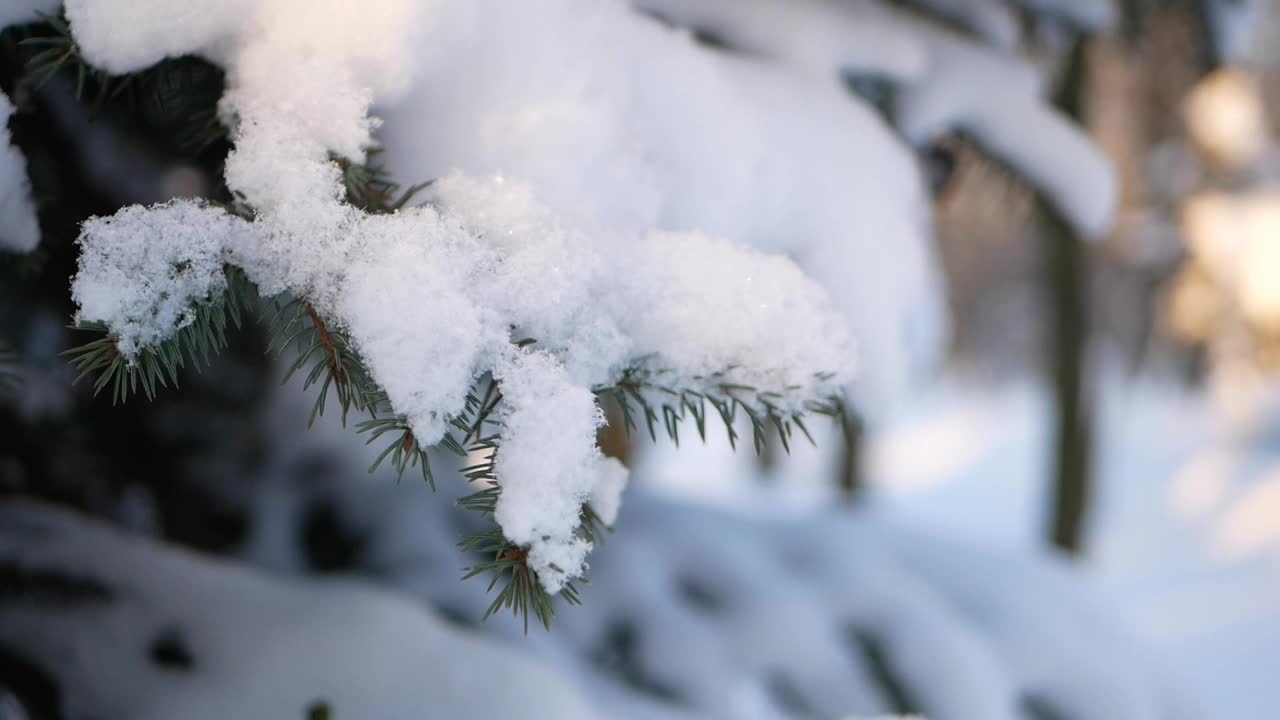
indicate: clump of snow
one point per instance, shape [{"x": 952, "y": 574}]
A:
[
  {"x": 756, "y": 299},
  {"x": 18, "y": 229},
  {"x": 548, "y": 462},
  {"x": 425, "y": 353},
  {"x": 143, "y": 270},
  {"x": 606, "y": 495},
  {"x": 125, "y": 37}
]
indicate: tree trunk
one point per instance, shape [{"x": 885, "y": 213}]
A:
[
  {"x": 1066, "y": 280},
  {"x": 851, "y": 481}
]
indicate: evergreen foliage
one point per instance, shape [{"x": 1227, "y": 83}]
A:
[
  {"x": 185, "y": 88},
  {"x": 326, "y": 355},
  {"x": 643, "y": 394},
  {"x": 57, "y": 50},
  {"x": 158, "y": 366}
]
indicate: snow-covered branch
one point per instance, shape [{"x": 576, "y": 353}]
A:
[{"x": 434, "y": 296}]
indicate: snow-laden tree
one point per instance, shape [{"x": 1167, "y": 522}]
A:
[{"x": 677, "y": 208}]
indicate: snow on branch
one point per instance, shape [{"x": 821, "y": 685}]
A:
[
  {"x": 999, "y": 103},
  {"x": 433, "y": 297},
  {"x": 144, "y": 271},
  {"x": 950, "y": 84},
  {"x": 598, "y": 208}
]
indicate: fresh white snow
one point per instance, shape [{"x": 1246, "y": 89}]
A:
[{"x": 143, "y": 270}]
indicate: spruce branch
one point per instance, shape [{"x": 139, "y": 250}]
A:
[
  {"x": 475, "y": 433},
  {"x": 57, "y": 49},
  {"x": 404, "y": 450},
  {"x": 369, "y": 185},
  {"x": 206, "y": 333},
  {"x": 508, "y": 564},
  {"x": 521, "y": 591},
  {"x": 505, "y": 562},
  {"x": 592, "y": 527},
  {"x": 327, "y": 355},
  {"x": 467, "y": 436},
  {"x": 185, "y": 89},
  {"x": 188, "y": 89},
  {"x": 644, "y": 396}
]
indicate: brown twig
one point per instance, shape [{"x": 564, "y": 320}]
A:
[{"x": 330, "y": 348}]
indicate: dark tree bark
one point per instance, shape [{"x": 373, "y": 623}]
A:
[
  {"x": 1066, "y": 280},
  {"x": 851, "y": 476}
]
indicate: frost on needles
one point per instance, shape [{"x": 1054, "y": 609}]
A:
[{"x": 484, "y": 286}]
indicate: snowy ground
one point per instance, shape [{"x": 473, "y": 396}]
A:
[
  {"x": 145, "y": 631},
  {"x": 1187, "y": 542},
  {"x": 1184, "y": 541}
]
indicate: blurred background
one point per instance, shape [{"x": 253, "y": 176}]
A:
[{"x": 1175, "y": 509}]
